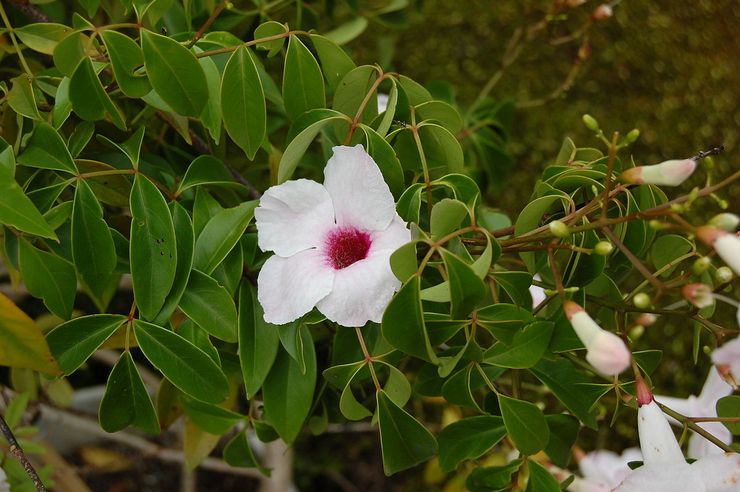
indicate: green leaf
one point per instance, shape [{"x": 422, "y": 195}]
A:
[
  {"x": 243, "y": 102},
  {"x": 62, "y": 105},
  {"x": 174, "y": 73},
  {"x": 238, "y": 452},
  {"x": 70, "y": 51},
  {"x": 468, "y": 439},
  {"x": 564, "y": 379},
  {"x": 516, "y": 285},
  {"x": 442, "y": 148},
  {"x": 206, "y": 169},
  {"x": 210, "y": 306},
  {"x": 504, "y": 320},
  {"x": 403, "y": 261},
  {"x": 540, "y": 480},
  {"x": 525, "y": 424},
  {"x": 525, "y": 350},
  {"x": 210, "y": 418},
  {"x": 131, "y": 147},
  {"x": 88, "y": 97},
  {"x": 21, "y": 98},
  {"x": 404, "y": 441},
  {"x": 190, "y": 369},
  {"x": 42, "y": 37},
  {"x": 126, "y": 400},
  {"x": 529, "y": 219},
  {"x": 48, "y": 277},
  {"x": 80, "y": 137},
  {"x": 466, "y": 288},
  {"x": 563, "y": 434},
  {"x": 384, "y": 156},
  {"x": 348, "y": 31},
  {"x": 351, "y": 92},
  {"x": 667, "y": 249},
  {"x": 403, "y": 322},
  {"x": 447, "y": 215},
  {"x": 46, "y": 149},
  {"x": 153, "y": 247},
  {"x": 212, "y": 114},
  {"x": 22, "y": 344},
  {"x": 349, "y": 406},
  {"x": 335, "y": 63},
  {"x": 492, "y": 478},
  {"x": 729, "y": 406},
  {"x": 93, "y": 250},
  {"x": 258, "y": 340},
  {"x": 303, "y": 84},
  {"x": 221, "y": 234},
  {"x": 126, "y": 57},
  {"x": 390, "y": 110},
  {"x": 442, "y": 112},
  {"x": 73, "y": 342},
  {"x": 288, "y": 392},
  {"x": 269, "y": 29}
]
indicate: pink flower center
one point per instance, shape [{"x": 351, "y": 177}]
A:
[{"x": 347, "y": 245}]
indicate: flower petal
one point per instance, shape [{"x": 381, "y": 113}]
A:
[
  {"x": 293, "y": 216},
  {"x": 361, "y": 198},
  {"x": 663, "y": 477},
  {"x": 714, "y": 388},
  {"x": 361, "y": 291},
  {"x": 700, "y": 447},
  {"x": 657, "y": 442},
  {"x": 392, "y": 238},
  {"x": 288, "y": 288},
  {"x": 719, "y": 473}
]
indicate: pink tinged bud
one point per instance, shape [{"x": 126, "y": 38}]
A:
[
  {"x": 657, "y": 442},
  {"x": 646, "y": 319},
  {"x": 602, "y": 12},
  {"x": 644, "y": 395},
  {"x": 605, "y": 351},
  {"x": 699, "y": 295},
  {"x": 727, "y": 360},
  {"x": 727, "y": 245},
  {"x": 668, "y": 173}
]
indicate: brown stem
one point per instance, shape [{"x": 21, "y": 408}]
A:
[
  {"x": 609, "y": 172},
  {"x": 657, "y": 284},
  {"x": 361, "y": 109},
  {"x": 695, "y": 427},
  {"x": 214, "y": 15},
  {"x": 368, "y": 358},
  {"x": 17, "y": 452},
  {"x": 555, "y": 272}
]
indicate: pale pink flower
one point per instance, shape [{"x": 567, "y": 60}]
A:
[
  {"x": 727, "y": 360},
  {"x": 668, "y": 173},
  {"x": 703, "y": 405},
  {"x": 726, "y": 244},
  {"x": 700, "y": 295},
  {"x": 603, "y": 470},
  {"x": 604, "y": 350},
  {"x": 664, "y": 468},
  {"x": 332, "y": 243}
]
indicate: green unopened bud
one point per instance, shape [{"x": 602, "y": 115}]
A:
[
  {"x": 641, "y": 301},
  {"x": 632, "y": 136},
  {"x": 559, "y": 229},
  {"x": 701, "y": 265},
  {"x": 603, "y": 248},
  {"x": 707, "y": 163},
  {"x": 590, "y": 122},
  {"x": 636, "y": 332},
  {"x": 658, "y": 225},
  {"x": 549, "y": 292},
  {"x": 725, "y": 221},
  {"x": 723, "y": 275}
]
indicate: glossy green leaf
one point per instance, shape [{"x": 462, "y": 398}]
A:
[
  {"x": 126, "y": 400},
  {"x": 384, "y": 156},
  {"x": 403, "y": 322},
  {"x": 80, "y": 137},
  {"x": 48, "y": 277},
  {"x": 258, "y": 340},
  {"x": 351, "y": 92},
  {"x": 442, "y": 112},
  {"x": 131, "y": 147},
  {"x": 93, "y": 250},
  {"x": 21, "y": 98},
  {"x": 390, "y": 110},
  {"x": 270, "y": 29},
  {"x": 525, "y": 424},
  {"x": 70, "y": 51},
  {"x": 73, "y": 342},
  {"x": 335, "y": 62},
  {"x": 238, "y": 452},
  {"x": 243, "y": 102},
  {"x": 525, "y": 350},
  {"x": 46, "y": 149},
  {"x": 88, "y": 96},
  {"x": 288, "y": 392},
  {"x": 540, "y": 480},
  {"x": 667, "y": 249},
  {"x": 174, "y": 73},
  {"x": 504, "y": 320},
  {"x": 190, "y": 369},
  {"x": 348, "y": 31},
  {"x": 43, "y": 36},
  {"x": 62, "y": 105},
  {"x": 126, "y": 57},
  {"x": 206, "y": 169},
  {"x": 729, "y": 406},
  {"x": 212, "y": 114},
  {"x": 468, "y": 439},
  {"x": 492, "y": 478},
  {"x": 442, "y": 149},
  {"x": 153, "y": 248},
  {"x": 22, "y": 344},
  {"x": 563, "y": 434},
  {"x": 210, "y": 418},
  {"x": 564, "y": 379},
  {"x": 221, "y": 234},
  {"x": 447, "y": 215},
  {"x": 516, "y": 285},
  {"x": 303, "y": 84},
  {"x": 466, "y": 288},
  {"x": 403, "y": 440},
  {"x": 210, "y": 306},
  {"x": 349, "y": 406}
]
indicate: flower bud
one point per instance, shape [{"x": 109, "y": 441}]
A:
[
  {"x": 590, "y": 122},
  {"x": 723, "y": 275},
  {"x": 603, "y": 248},
  {"x": 632, "y": 136},
  {"x": 725, "y": 221},
  {"x": 646, "y": 319},
  {"x": 726, "y": 245},
  {"x": 636, "y": 332},
  {"x": 699, "y": 295},
  {"x": 727, "y": 360},
  {"x": 641, "y": 300},
  {"x": 668, "y": 173},
  {"x": 701, "y": 265},
  {"x": 605, "y": 351},
  {"x": 602, "y": 12},
  {"x": 657, "y": 441},
  {"x": 559, "y": 229}
]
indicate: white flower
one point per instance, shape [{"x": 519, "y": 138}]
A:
[
  {"x": 703, "y": 405},
  {"x": 668, "y": 173},
  {"x": 382, "y": 102},
  {"x": 537, "y": 292},
  {"x": 603, "y": 470},
  {"x": 664, "y": 468},
  {"x": 727, "y": 245},
  {"x": 4, "y": 485},
  {"x": 332, "y": 243},
  {"x": 727, "y": 360},
  {"x": 700, "y": 295},
  {"x": 604, "y": 350}
]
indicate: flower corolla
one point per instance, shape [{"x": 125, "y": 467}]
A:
[{"x": 668, "y": 173}]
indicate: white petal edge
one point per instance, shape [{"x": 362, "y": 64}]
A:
[
  {"x": 293, "y": 216},
  {"x": 288, "y": 288},
  {"x": 719, "y": 473},
  {"x": 664, "y": 477},
  {"x": 361, "y": 197}
]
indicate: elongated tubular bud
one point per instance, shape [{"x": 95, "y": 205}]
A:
[
  {"x": 726, "y": 244},
  {"x": 605, "y": 351},
  {"x": 657, "y": 441},
  {"x": 668, "y": 173}
]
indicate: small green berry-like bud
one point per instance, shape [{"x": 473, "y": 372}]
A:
[
  {"x": 723, "y": 275},
  {"x": 559, "y": 229},
  {"x": 707, "y": 163},
  {"x": 636, "y": 332},
  {"x": 725, "y": 221},
  {"x": 632, "y": 136},
  {"x": 701, "y": 265},
  {"x": 657, "y": 225},
  {"x": 603, "y": 248},
  {"x": 590, "y": 122},
  {"x": 641, "y": 301}
]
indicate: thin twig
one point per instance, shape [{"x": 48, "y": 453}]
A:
[
  {"x": 214, "y": 15},
  {"x": 695, "y": 427},
  {"x": 17, "y": 452},
  {"x": 634, "y": 260}
]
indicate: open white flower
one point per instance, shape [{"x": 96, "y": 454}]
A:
[
  {"x": 332, "y": 243},
  {"x": 703, "y": 405},
  {"x": 602, "y": 470},
  {"x": 665, "y": 469},
  {"x": 727, "y": 360}
]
